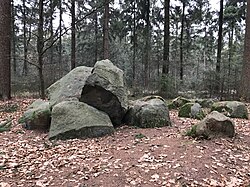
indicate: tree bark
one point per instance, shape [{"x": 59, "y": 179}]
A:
[
  {"x": 60, "y": 37},
  {"x": 181, "y": 40},
  {"x": 51, "y": 51},
  {"x": 147, "y": 44},
  {"x": 165, "y": 67},
  {"x": 40, "y": 46},
  {"x": 73, "y": 35},
  {"x": 106, "y": 30},
  {"x": 134, "y": 43},
  {"x": 96, "y": 36},
  {"x": 219, "y": 48},
  {"x": 25, "y": 48},
  {"x": 245, "y": 86},
  {"x": 230, "y": 56},
  {"x": 5, "y": 49},
  {"x": 13, "y": 48}
]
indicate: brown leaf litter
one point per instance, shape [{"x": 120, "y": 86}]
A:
[{"x": 131, "y": 157}]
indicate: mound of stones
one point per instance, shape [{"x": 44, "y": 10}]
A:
[{"x": 90, "y": 102}]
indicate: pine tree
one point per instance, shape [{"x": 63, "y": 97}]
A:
[
  {"x": 245, "y": 86},
  {"x": 106, "y": 30},
  {"x": 5, "y": 48},
  {"x": 165, "y": 68}
]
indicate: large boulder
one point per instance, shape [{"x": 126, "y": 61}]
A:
[
  {"x": 38, "y": 116},
  {"x": 105, "y": 90},
  {"x": 70, "y": 86},
  {"x": 148, "y": 112},
  {"x": 178, "y": 102},
  {"x": 191, "y": 110},
  {"x": 214, "y": 125},
  {"x": 73, "y": 119},
  {"x": 234, "y": 109}
]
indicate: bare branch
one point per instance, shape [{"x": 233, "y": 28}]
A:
[{"x": 66, "y": 30}]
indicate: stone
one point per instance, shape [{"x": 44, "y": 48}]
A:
[
  {"x": 148, "y": 112},
  {"x": 38, "y": 116},
  {"x": 191, "y": 110},
  {"x": 105, "y": 90},
  {"x": 214, "y": 125},
  {"x": 36, "y": 103},
  {"x": 73, "y": 119},
  {"x": 233, "y": 109},
  {"x": 205, "y": 103},
  {"x": 70, "y": 86},
  {"x": 178, "y": 102}
]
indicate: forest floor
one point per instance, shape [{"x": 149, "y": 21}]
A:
[{"x": 130, "y": 157}]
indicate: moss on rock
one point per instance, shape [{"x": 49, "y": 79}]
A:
[
  {"x": 191, "y": 110},
  {"x": 178, "y": 102},
  {"x": 233, "y": 109}
]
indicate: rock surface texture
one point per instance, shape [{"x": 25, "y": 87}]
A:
[
  {"x": 214, "y": 125},
  {"x": 205, "y": 103},
  {"x": 73, "y": 119},
  {"x": 191, "y": 110},
  {"x": 178, "y": 102},
  {"x": 234, "y": 109},
  {"x": 37, "y": 117},
  {"x": 70, "y": 86},
  {"x": 105, "y": 90},
  {"x": 148, "y": 112}
]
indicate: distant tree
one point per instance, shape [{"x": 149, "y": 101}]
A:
[
  {"x": 181, "y": 39},
  {"x": 73, "y": 35},
  {"x": 5, "y": 49},
  {"x": 165, "y": 67},
  {"x": 219, "y": 48},
  {"x": 245, "y": 85},
  {"x": 60, "y": 33},
  {"x": 134, "y": 43},
  {"x": 96, "y": 34},
  {"x": 25, "y": 42},
  {"x": 147, "y": 36},
  {"x": 40, "y": 47},
  {"x": 51, "y": 31}
]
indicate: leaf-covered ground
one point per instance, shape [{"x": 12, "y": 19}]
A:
[{"x": 130, "y": 157}]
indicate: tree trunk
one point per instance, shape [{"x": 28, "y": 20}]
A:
[
  {"x": 245, "y": 86},
  {"x": 96, "y": 36},
  {"x": 60, "y": 37},
  {"x": 40, "y": 46},
  {"x": 230, "y": 47},
  {"x": 51, "y": 50},
  {"x": 13, "y": 49},
  {"x": 230, "y": 55},
  {"x": 106, "y": 30},
  {"x": 25, "y": 49},
  {"x": 134, "y": 41},
  {"x": 5, "y": 49},
  {"x": 219, "y": 48},
  {"x": 73, "y": 35},
  {"x": 181, "y": 39},
  {"x": 165, "y": 67},
  {"x": 147, "y": 45}
]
